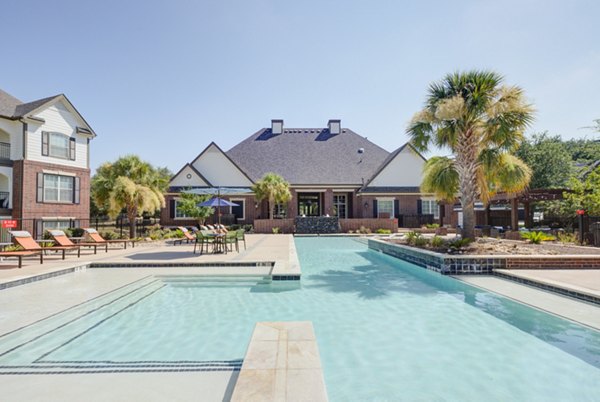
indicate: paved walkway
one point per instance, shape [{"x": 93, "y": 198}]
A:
[{"x": 259, "y": 248}]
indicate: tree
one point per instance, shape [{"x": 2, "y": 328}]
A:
[
  {"x": 585, "y": 194},
  {"x": 274, "y": 189},
  {"x": 480, "y": 121},
  {"x": 548, "y": 159},
  {"x": 129, "y": 184},
  {"x": 188, "y": 204}
]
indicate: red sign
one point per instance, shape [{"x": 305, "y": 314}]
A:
[
  {"x": 9, "y": 224},
  {"x": 580, "y": 212}
]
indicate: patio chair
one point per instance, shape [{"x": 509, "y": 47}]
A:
[
  {"x": 203, "y": 238},
  {"x": 230, "y": 240},
  {"x": 187, "y": 236},
  {"x": 21, "y": 254},
  {"x": 92, "y": 236},
  {"x": 62, "y": 240},
  {"x": 24, "y": 239},
  {"x": 241, "y": 236}
]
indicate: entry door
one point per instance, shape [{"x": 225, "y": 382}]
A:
[{"x": 309, "y": 204}]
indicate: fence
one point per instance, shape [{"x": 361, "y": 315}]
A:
[{"x": 37, "y": 226}]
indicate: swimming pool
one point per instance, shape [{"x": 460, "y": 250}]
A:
[{"x": 386, "y": 330}]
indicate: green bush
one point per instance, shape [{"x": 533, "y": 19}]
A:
[
  {"x": 248, "y": 228},
  {"x": 437, "y": 242},
  {"x": 566, "y": 237},
  {"x": 537, "y": 237},
  {"x": 421, "y": 241},
  {"x": 459, "y": 244},
  {"x": 412, "y": 236},
  {"x": 383, "y": 231},
  {"x": 109, "y": 235},
  {"x": 275, "y": 230},
  {"x": 432, "y": 225},
  {"x": 78, "y": 232},
  {"x": 13, "y": 247}
]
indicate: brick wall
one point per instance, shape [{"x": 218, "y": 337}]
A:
[
  {"x": 553, "y": 262},
  {"x": 25, "y": 203}
]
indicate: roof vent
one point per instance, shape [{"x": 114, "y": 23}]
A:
[
  {"x": 361, "y": 150},
  {"x": 276, "y": 127},
  {"x": 335, "y": 126}
]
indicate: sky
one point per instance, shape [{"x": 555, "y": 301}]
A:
[{"x": 162, "y": 79}]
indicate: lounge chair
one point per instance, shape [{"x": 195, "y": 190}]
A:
[
  {"x": 187, "y": 236},
  {"x": 24, "y": 239},
  {"x": 21, "y": 254},
  {"x": 62, "y": 240},
  {"x": 92, "y": 236}
]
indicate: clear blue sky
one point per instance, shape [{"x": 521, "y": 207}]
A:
[{"x": 164, "y": 78}]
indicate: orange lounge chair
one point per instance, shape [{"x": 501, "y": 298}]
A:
[
  {"x": 62, "y": 240},
  {"x": 187, "y": 236},
  {"x": 92, "y": 236},
  {"x": 24, "y": 239},
  {"x": 21, "y": 254}
]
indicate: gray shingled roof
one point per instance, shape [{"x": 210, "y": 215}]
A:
[
  {"x": 395, "y": 189},
  {"x": 309, "y": 156},
  {"x": 13, "y": 108},
  {"x": 8, "y": 104}
]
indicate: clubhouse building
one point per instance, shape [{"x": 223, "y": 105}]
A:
[{"x": 332, "y": 171}]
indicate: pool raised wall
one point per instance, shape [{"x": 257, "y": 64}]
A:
[{"x": 482, "y": 264}]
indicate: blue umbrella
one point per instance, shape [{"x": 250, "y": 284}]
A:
[{"x": 217, "y": 202}]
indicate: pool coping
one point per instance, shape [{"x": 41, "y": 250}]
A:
[{"x": 280, "y": 271}]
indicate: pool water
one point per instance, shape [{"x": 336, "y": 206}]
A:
[{"x": 387, "y": 331}]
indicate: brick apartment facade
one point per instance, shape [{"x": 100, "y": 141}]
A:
[{"x": 44, "y": 163}]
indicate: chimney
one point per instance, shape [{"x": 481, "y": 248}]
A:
[
  {"x": 276, "y": 127},
  {"x": 335, "y": 126}
]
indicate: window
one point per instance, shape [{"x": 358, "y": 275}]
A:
[
  {"x": 58, "y": 188},
  {"x": 385, "y": 206},
  {"x": 238, "y": 211},
  {"x": 280, "y": 211},
  {"x": 430, "y": 207},
  {"x": 58, "y": 145},
  {"x": 309, "y": 204},
  {"x": 178, "y": 213},
  {"x": 55, "y": 225},
  {"x": 340, "y": 205}
]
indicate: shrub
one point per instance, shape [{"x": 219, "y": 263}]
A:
[
  {"x": 13, "y": 247},
  {"x": 432, "y": 225},
  {"x": 109, "y": 235},
  {"x": 566, "y": 237},
  {"x": 248, "y": 228},
  {"x": 275, "y": 230},
  {"x": 78, "y": 232},
  {"x": 437, "y": 242},
  {"x": 351, "y": 231},
  {"x": 383, "y": 231},
  {"x": 537, "y": 237},
  {"x": 421, "y": 241},
  {"x": 459, "y": 245}
]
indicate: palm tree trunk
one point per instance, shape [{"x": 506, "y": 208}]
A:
[
  {"x": 271, "y": 207},
  {"x": 467, "y": 166},
  {"x": 131, "y": 216}
]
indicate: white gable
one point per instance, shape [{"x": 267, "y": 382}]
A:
[
  {"x": 219, "y": 170},
  {"x": 188, "y": 177},
  {"x": 405, "y": 170}
]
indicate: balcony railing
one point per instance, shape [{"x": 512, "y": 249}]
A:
[{"x": 4, "y": 151}]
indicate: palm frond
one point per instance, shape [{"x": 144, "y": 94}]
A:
[{"x": 440, "y": 178}]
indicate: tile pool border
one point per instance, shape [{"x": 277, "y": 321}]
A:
[{"x": 482, "y": 264}]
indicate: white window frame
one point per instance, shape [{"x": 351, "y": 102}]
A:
[
  {"x": 431, "y": 204},
  {"x": 62, "y": 136},
  {"x": 183, "y": 217},
  {"x": 58, "y": 224},
  {"x": 61, "y": 178},
  {"x": 337, "y": 204},
  {"x": 280, "y": 211},
  {"x": 387, "y": 199},
  {"x": 242, "y": 203}
]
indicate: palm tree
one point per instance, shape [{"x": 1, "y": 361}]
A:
[
  {"x": 481, "y": 122},
  {"x": 272, "y": 188},
  {"x": 130, "y": 184}
]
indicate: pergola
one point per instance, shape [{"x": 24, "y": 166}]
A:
[{"x": 526, "y": 198}]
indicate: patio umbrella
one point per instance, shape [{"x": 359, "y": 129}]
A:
[
  {"x": 218, "y": 191},
  {"x": 218, "y": 202}
]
